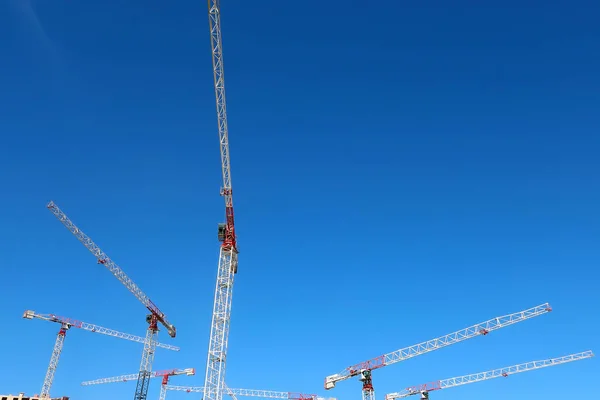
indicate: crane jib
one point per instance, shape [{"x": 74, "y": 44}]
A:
[{"x": 111, "y": 266}]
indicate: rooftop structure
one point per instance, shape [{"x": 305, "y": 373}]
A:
[{"x": 21, "y": 396}]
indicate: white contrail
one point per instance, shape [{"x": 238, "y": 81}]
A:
[{"x": 26, "y": 11}]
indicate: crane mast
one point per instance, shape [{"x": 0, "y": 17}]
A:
[
  {"x": 364, "y": 369},
  {"x": 424, "y": 389},
  {"x": 219, "y": 331},
  {"x": 56, "y": 351},
  {"x": 152, "y": 319}
]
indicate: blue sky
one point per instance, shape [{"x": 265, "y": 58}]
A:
[{"x": 401, "y": 170}]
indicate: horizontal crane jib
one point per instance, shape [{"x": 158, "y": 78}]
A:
[
  {"x": 480, "y": 329},
  {"x": 482, "y": 376},
  {"x": 70, "y": 322}
]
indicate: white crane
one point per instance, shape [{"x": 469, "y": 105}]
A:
[
  {"x": 424, "y": 389},
  {"x": 132, "y": 377},
  {"x": 363, "y": 370},
  {"x": 265, "y": 394},
  {"x": 152, "y": 319},
  {"x": 214, "y": 381},
  {"x": 158, "y": 374},
  {"x": 66, "y": 324}
]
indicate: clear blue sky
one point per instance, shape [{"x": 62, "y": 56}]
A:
[{"x": 401, "y": 170}]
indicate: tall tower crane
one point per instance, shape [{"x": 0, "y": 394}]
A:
[
  {"x": 152, "y": 319},
  {"x": 363, "y": 370},
  {"x": 219, "y": 331},
  {"x": 65, "y": 325},
  {"x": 424, "y": 389}
]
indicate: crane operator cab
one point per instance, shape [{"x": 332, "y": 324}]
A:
[
  {"x": 221, "y": 232},
  {"x": 365, "y": 375}
]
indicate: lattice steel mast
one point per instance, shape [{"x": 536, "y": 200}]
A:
[
  {"x": 152, "y": 319},
  {"x": 56, "y": 351},
  {"x": 424, "y": 389},
  {"x": 219, "y": 331},
  {"x": 364, "y": 369}
]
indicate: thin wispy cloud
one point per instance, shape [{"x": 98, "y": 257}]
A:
[{"x": 30, "y": 22}]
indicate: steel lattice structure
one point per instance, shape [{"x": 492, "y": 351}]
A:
[
  {"x": 143, "y": 381},
  {"x": 67, "y": 323},
  {"x": 364, "y": 369},
  {"x": 112, "y": 267},
  {"x": 156, "y": 315},
  {"x": 219, "y": 332},
  {"x": 131, "y": 377},
  {"x": 482, "y": 376},
  {"x": 265, "y": 394},
  {"x": 165, "y": 387},
  {"x": 164, "y": 374},
  {"x": 74, "y": 323},
  {"x": 56, "y": 351}
]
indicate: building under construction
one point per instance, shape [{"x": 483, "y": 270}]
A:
[{"x": 21, "y": 396}]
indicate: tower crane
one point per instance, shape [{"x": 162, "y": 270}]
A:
[
  {"x": 152, "y": 319},
  {"x": 363, "y": 370},
  {"x": 132, "y": 377},
  {"x": 265, "y": 394},
  {"x": 219, "y": 331},
  {"x": 65, "y": 325},
  {"x": 74, "y": 323},
  {"x": 424, "y": 389},
  {"x": 164, "y": 374}
]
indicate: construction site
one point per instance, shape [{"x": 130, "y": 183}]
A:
[{"x": 208, "y": 381}]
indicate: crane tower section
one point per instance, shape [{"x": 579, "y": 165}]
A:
[
  {"x": 214, "y": 382},
  {"x": 56, "y": 351}
]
